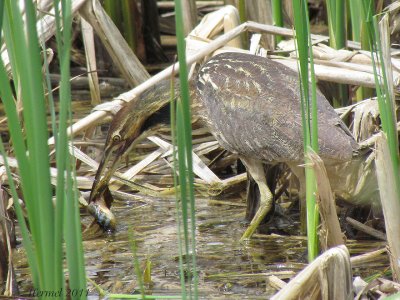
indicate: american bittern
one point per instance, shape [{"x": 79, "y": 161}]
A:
[{"x": 252, "y": 107}]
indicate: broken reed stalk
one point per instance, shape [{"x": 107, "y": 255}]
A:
[
  {"x": 329, "y": 276},
  {"x": 330, "y": 233},
  {"x": 123, "y": 56},
  {"x": 189, "y": 15},
  {"x": 309, "y": 124},
  {"x": 91, "y": 65},
  {"x": 390, "y": 202}
]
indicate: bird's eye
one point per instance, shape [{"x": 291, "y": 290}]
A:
[{"x": 116, "y": 138}]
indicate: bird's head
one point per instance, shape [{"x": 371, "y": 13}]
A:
[
  {"x": 135, "y": 120},
  {"x": 124, "y": 130}
]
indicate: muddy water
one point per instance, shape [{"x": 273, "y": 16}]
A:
[{"x": 227, "y": 269}]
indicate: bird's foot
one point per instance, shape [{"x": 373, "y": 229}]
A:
[
  {"x": 264, "y": 208},
  {"x": 102, "y": 214},
  {"x": 249, "y": 232}
]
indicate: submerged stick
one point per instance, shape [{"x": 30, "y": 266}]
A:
[{"x": 366, "y": 229}]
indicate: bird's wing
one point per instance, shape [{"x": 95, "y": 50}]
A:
[{"x": 253, "y": 106}]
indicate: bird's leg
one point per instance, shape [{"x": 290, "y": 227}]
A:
[
  {"x": 256, "y": 170},
  {"x": 252, "y": 198}
]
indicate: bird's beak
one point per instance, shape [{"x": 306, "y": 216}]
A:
[
  {"x": 100, "y": 197},
  {"x": 112, "y": 153}
]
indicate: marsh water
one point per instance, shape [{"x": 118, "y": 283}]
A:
[{"x": 227, "y": 268}]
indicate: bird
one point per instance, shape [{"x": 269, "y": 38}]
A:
[{"x": 252, "y": 107}]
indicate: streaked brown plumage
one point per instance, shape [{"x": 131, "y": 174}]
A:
[{"x": 252, "y": 107}]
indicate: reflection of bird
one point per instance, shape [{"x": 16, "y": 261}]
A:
[{"x": 252, "y": 107}]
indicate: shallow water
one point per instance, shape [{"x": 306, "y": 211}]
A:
[{"x": 227, "y": 269}]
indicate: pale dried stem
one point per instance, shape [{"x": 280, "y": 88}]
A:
[
  {"x": 189, "y": 15},
  {"x": 90, "y": 54},
  {"x": 390, "y": 203},
  {"x": 199, "y": 4},
  {"x": 327, "y": 277},
  {"x": 363, "y": 259},
  {"x": 331, "y": 234},
  {"x": 261, "y": 12},
  {"x": 82, "y": 182},
  {"x": 119, "y": 50}
]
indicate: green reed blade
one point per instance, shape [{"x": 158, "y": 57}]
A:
[
  {"x": 184, "y": 137},
  {"x": 309, "y": 112}
]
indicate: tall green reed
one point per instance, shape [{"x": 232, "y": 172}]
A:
[
  {"x": 277, "y": 16},
  {"x": 309, "y": 117},
  {"x": 337, "y": 23},
  {"x": 173, "y": 113},
  {"x": 359, "y": 33},
  {"x": 122, "y": 14},
  {"x": 184, "y": 140},
  {"x": 356, "y": 19},
  {"x": 383, "y": 91},
  {"x": 243, "y": 19},
  {"x": 336, "y": 10},
  {"x": 50, "y": 223}
]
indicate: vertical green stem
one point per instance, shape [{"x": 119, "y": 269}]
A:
[
  {"x": 136, "y": 265},
  {"x": 243, "y": 19},
  {"x": 337, "y": 33},
  {"x": 129, "y": 24},
  {"x": 309, "y": 112},
  {"x": 173, "y": 111},
  {"x": 386, "y": 108},
  {"x": 277, "y": 17},
  {"x": 185, "y": 156}
]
